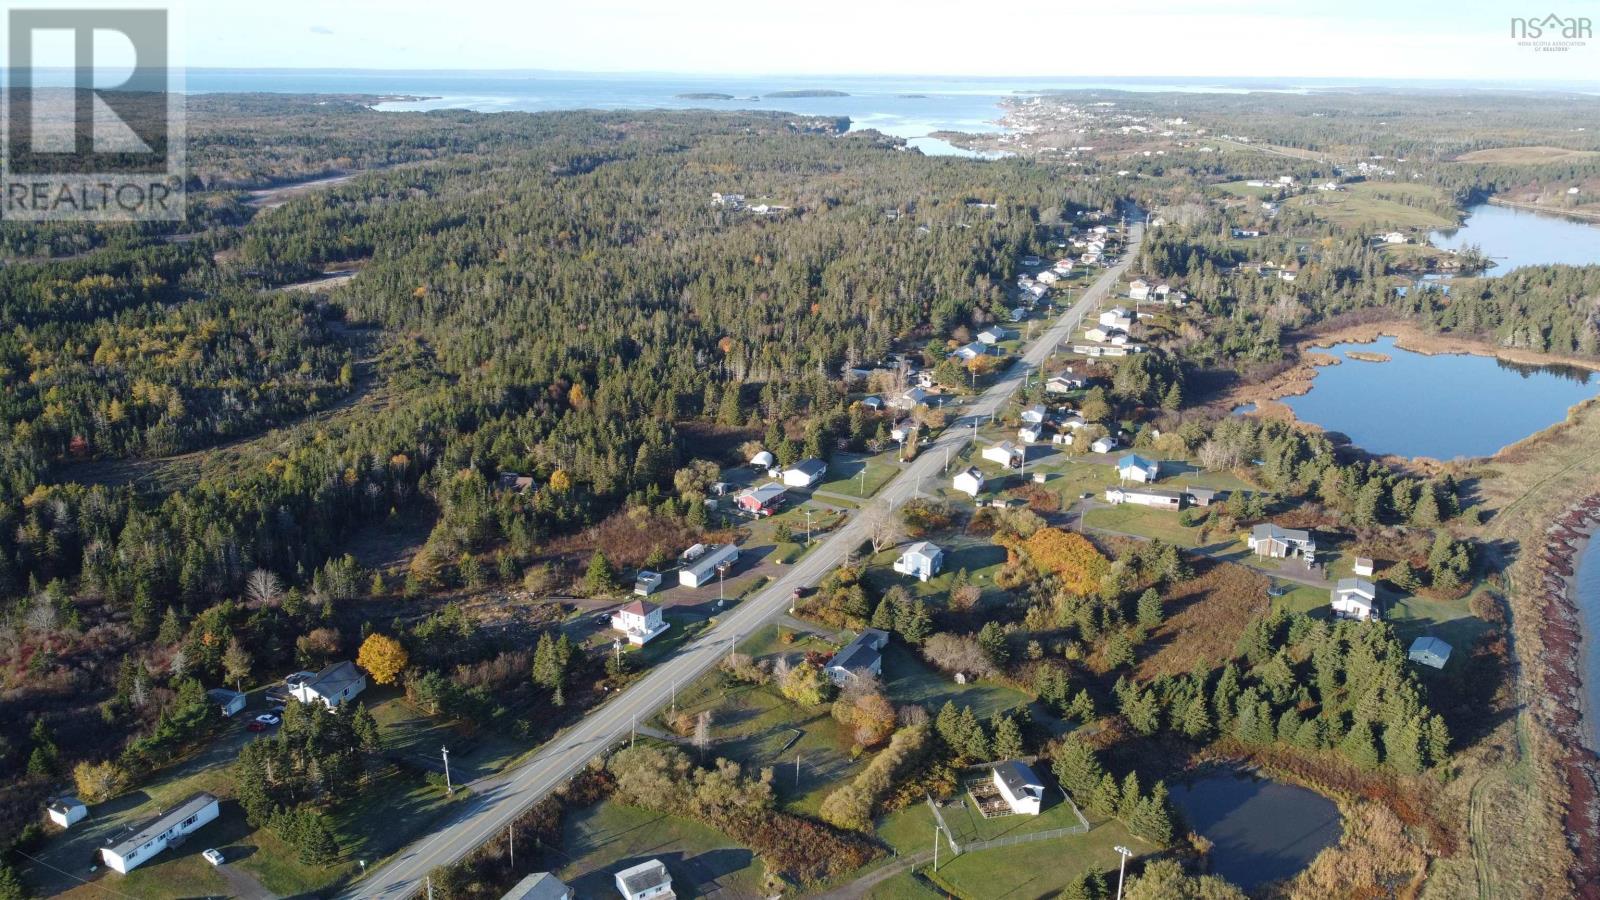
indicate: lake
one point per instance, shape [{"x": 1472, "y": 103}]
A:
[
  {"x": 1514, "y": 238},
  {"x": 1440, "y": 406},
  {"x": 1260, "y": 830}
]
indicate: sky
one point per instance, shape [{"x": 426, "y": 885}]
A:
[{"x": 1377, "y": 39}]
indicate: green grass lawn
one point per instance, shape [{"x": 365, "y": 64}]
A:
[
  {"x": 474, "y": 752},
  {"x": 1160, "y": 524},
  {"x": 1037, "y": 869},
  {"x": 1361, "y": 209},
  {"x": 903, "y": 886},
  {"x": 844, "y": 473},
  {"x": 602, "y": 839}
]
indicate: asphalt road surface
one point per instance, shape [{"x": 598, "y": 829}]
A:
[{"x": 499, "y": 800}]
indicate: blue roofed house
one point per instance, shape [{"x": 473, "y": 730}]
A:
[
  {"x": 922, "y": 559},
  {"x": 861, "y": 657},
  {"x": 1134, "y": 467}
]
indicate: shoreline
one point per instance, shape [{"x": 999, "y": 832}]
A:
[
  {"x": 1566, "y": 641},
  {"x": 1301, "y": 377}
]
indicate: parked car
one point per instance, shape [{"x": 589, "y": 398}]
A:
[
  {"x": 268, "y": 719},
  {"x": 255, "y": 726},
  {"x": 213, "y": 856}
]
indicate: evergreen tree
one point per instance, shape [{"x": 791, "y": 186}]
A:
[
  {"x": 1402, "y": 747},
  {"x": 1149, "y": 611},
  {"x": 600, "y": 577},
  {"x": 1007, "y": 738},
  {"x": 1359, "y": 747},
  {"x": 1152, "y": 818}
]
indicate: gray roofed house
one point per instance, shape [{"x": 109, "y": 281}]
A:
[
  {"x": 1429, "y": 651},
  {"x": 1200, "y": 496},
  {"x": 156, "y": 835},
  {"x": 1023, "y": 790},
  {"x": 805, "y": 473},
  {"x": 1268, "y": 539},
  {"x": 862, "y": 655},
  {"x": 644, "y": 881},
  {"x": 332, "y": 686},
  {"x": 539, "y": 886}
]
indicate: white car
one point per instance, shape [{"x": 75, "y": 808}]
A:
[
  {"x": 214, "y": 857},
  {"x": 268, "y": 719}
]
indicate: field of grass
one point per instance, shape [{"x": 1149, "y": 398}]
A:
[
  {"x": 1160, "y": 524},
  {"x": 1038, "y": 869},
  {"x": 1360, "y": 209},
  {"x": 1204, "y": 619},
  {"x": 844, "y": 473},
  {"x": 1516, "y": 156},
  {"x": 609, "y": 836},
  {"x": 474, "y": 753},
  {"x": 1241, "y": 189}
]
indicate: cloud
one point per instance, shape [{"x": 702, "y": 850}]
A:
[{"x": 321, "y": 29}]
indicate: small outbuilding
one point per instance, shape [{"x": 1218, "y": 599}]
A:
[
  {"x": 969, "y": 482},
  {"x": 538, "y": 886},
  {"x": 1364, "y": 566},
  {"x": 66, "y": 811},
  {"x": 1429, "y": 651},
  {"x": 645, "y": 881},
  {"x": 1355, "y": 598},
  {"x": 228, "y": 702},
  {"x": 1022, "y": 789}
]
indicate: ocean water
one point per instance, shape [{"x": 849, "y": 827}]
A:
[
  {"x": 906, "y": 107},
  {"x": 1514, "y": 238}
]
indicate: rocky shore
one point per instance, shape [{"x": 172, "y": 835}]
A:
[{"x": 1565, "y": 707}]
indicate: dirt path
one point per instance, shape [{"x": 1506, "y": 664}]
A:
[
  {"x": 863, "y": 886},
  {"x": 242, "y": 884}
]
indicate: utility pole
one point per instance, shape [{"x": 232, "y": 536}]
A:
[
  {"x": 448, "y": 787},
  {"x": 1122, "y": 866},
  {"x": 936, "y": 846},
  {"x": 808, "y": 518},
  {"x": 862, "y": 491},
  {"x": 633, "y": 734},
  {"x": 430, "y": 887},
  {"x": 797, "y": 770},
  {"x": 511, "y": 845}
]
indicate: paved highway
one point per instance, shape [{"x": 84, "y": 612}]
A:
[{"x": 499, "y": 800}]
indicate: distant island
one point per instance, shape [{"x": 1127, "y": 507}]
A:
[
  {"x": 704, "y": 95},
  {"x": 806, "y": 93},
  {"x": 913, "y": 96}
]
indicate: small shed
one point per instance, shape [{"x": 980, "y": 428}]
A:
[
  {"x": 66, "y": 811},
  {"x": 1364, "y": 566},
  {"x": 1429, "y": 651}
]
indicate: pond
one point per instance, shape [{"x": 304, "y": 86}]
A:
[
  {"x": 1260, "y": 830},
  {"x": 1442, "y": 406},
  {"x": 1514, "y": 238}
]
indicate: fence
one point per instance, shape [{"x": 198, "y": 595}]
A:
[{"x": 1015, "y": 839}]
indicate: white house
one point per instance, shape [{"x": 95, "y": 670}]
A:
[
  {"x": 1048, "y": 277},
  {"x": 1355, "y": 598},
  {"x": 67, "y": 811},
  {"x": 1118, "y": 318},
  {"x": 702, "y": 570},
  {"x": 862, "y": 656},
  {"x": 1269, "y": 540},
  {"x": 538, "y": 886},
  {"x": 872, "y": 401},
  {"x": 805, "y": 473},
  {"x": 1030, "y": 434},
  {"x": 1022, "y": 789},
  {"x": 1429, "y": 651},
  {"x": 639, "y": 621},
  {"x": 1139, "y": 290},
  {"x": 646, "y": 880},
  {"x": 1102, "y": 334},
  {"x": 1104, "y": 445},
  {"x": 762, "y": 460},
  {"x": 1134, "y": 467},
  {"x": 992, "y": 336},
  {"x": 904, "y": 430},
  {"x": 1364, "y": 567},
  {"x": 333, "y": 686},
  {"x": 922, "y": 559},
  {"x": 1394, "y": 237},
  {"x": 1035, "y": 414},
  {"x": 1063, "y": 266},
  {"x": 911, "y": 399},
  {"x": 969, "y": 352},
  {"x": 1063, "y": 384},
  {"x": 969, "y": 482},
  {"x": 1004, "y": 453},
  {"x": 155, "y": 836},
  {"x": 1152, "y": 497}
]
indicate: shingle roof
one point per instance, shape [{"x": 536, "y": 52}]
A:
[
  {"x": 862, "y": 652},
  {"x": 538, "y": 886},
  {"x": 160, "y": 824},
  {"x": 644, "y": 876}
]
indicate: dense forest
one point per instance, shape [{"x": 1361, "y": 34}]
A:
[{"x": 550, "y": 294}]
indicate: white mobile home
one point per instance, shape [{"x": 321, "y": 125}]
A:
[
  {"x": 150, "y": 839},
  {"x": 703, "y": 570}
]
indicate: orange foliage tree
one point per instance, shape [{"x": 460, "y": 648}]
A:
[
  {"x": 1070, "y": 556},
  {"x": 382, "y": 657}
]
